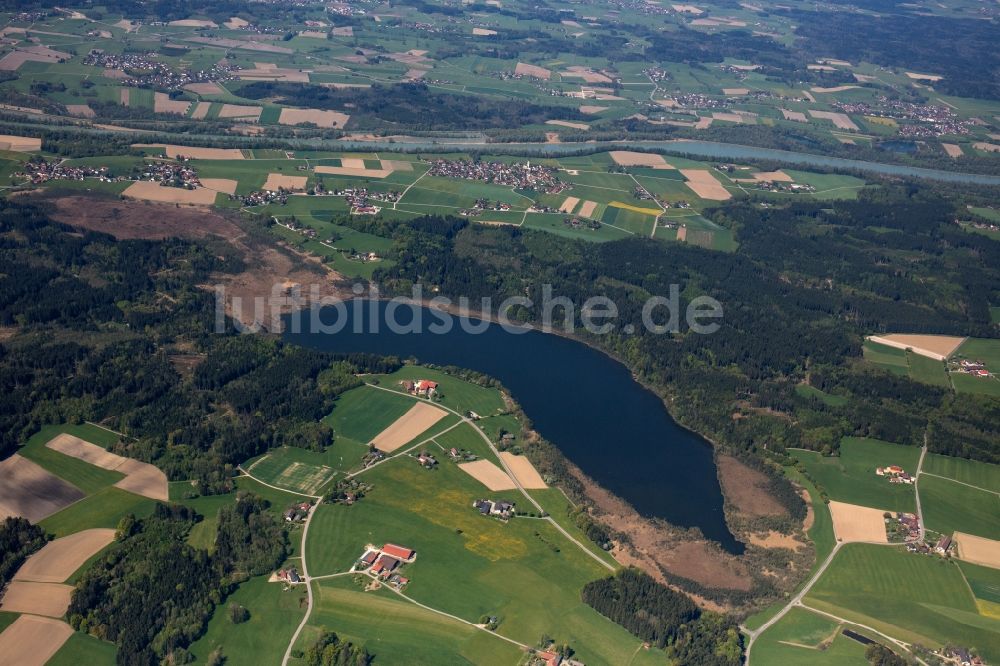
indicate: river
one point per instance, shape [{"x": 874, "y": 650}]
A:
[{"x": 586, "y": 403}]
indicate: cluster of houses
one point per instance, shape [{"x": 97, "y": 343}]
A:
[
  {"x": 421, "y": 387},
  {"x": 895, "y": 474},
  {"x": 943, "y": 546},
  {"x": 461, "y": 455},
  {"x": 483, "y": 205},
  {"x": 974, "y": 368},
  {"x": 144, "y": 69},
  {"x": 962, "y": 656},
  {"x": 910, "y": 526},
  {"x": 499, "y": 509},
  {"x": 426, "y": 460},
  {"x": 579, "y": 223},
  {"x": 779, "y": 186},
  {"x": 297, "y": 512},
  {"x": 290, "y": 576},
  {"x": 261, "y": 197},
  {"x": 522, "y": 175},
  {"x": 170, "y": 174},
  {"x": 372, "y": 457},
  {"x": 38, "y": 170},
  {"x": 386, "y": 562}
]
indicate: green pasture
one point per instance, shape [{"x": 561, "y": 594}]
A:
[
  {"x": 274, "y": 615},
  {"x": 927, "y": 370},
  {"x": 803, "y": 637},
  {"x": 807, "y": 391},
  {"x": 83, "y": 648},
  {"x": 364, "y": 412},
  {"x": 983, "y": 581},
  {"x": 953, "y": 507},
  {"x": 554, "y": 224},
  {"x": 467, "y": 565},
  {"x": 303, "y": 471},
  {"x": 103, "y": 508},
  {"x": 456, "y": 393},
  {"x": 88, "y": 478},
  {"x": 973, "y": 472},
  {"x": 850, "y": 477},
  {"x": 979, "y": 349},
  {"x": 913, "y": 597}
]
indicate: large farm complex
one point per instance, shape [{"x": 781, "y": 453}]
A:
[{"x": 499, "y": 332}]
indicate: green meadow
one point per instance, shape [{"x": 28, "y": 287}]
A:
[
  {"x": 973, "y": 472},
  {"x": 456, "y": 393},
  {"x": 84, "y": 649},
  {"x": 104, "y": 508},
  {"x": 364, "y": 412},
  {"x": 913, "y": 597},
  {"x": 850, "y": 477},
  {"x": 887, "y": 358},
  {"x": 88, "y": 478},
  {"x": 953, "y": 507},
  {"x": 524, "y": 572},
  {"x": 803, "y": 637}
]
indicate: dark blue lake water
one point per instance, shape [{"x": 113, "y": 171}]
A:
[{"x": 584, "y": 402}]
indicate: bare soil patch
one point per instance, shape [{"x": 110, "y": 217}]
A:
[
  {"x": 419, "y": 418},
  {"x": 587, "y": 209},
  {"x": 30, "y": 491},
  {"x": 629, "y": 158},
  {"x": 352, "y": 162},
  {"x": 938, "y": 347},
  {"x": 567, "y": 123},
  {"x": 348, "y": 171},
  {"x": 277, "y": 181},
  {"x": 125, "y": 96},
  {"x": 523, "y": 471},
  {"x": 33, "y": 640},
  {"x": 488, "y": 474},
  {"x": 205, "y": 88},
  {"x": 240, "y": 111},
  {"x": 735, "y": 91},
  {"x": 50, "y": 599},
  {"x": 193, "y": 23},
  {"x": 858, "y": 523},
  {"x": 978, "y": 550},
  {"x": 483, "y": 32},
  {"x": 592, "y": 109},
  {"x": 140, "y": 478},
  {"x": 20, "y": 144},
  {"x": 568, "y": 204},
  {"x": 163, "y": 104},
  {"x": 687, "y": 9},
  {"x": 833, "y": 89},
  {"x": 924, "y": 77},
  {"x": 840, "y": 120},
  {"x": 705, "y": 185},
  {"x": 152, "y": 191},
  {"x": 194, "y": 152},
  {"x": 585, "y": 73},
  {"x": 59, "y": 559},
  {"x": 746, "y": 489},
  {"x": 525, "y": 69},
  {"x": 201, "y": 110},
  {"x": 775, "y": 540},
  {"x": 274, "y": 74},
  {"x": 797, "y": 116},
  {"x": 13, "y": 60},
  {"x": 315, "y": 116},
  {"x": 952, "y": 149},
  {"x": 224, "y": 185},
  {"x": 986, "y": 147},
  {"x": 343, "y": 31}
]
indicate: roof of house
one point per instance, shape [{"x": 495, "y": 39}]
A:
[
  {"x": 385, "y": 563},
  {"x": 397, "y": 551},
  {"x": 369, "y": 557}
]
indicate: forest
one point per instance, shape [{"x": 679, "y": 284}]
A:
[
  {"x": 154, "y": 613},
  {"x": 18, "y": 539},
  {"x": 665, "y": 618}
]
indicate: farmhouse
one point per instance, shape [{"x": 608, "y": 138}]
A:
[
  {"x": 403, "y": 553},
  {"x": 385, "y": 565},
  {"x": 427, "y": 460},
  {"x": 502, "y": 509},
  {"x": 943, "y": 544}
]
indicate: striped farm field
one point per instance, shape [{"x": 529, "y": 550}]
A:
[
  {"x": 285, "y": 468},
  {"x": 973, "y": 472}
]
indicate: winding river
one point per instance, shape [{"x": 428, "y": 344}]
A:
[{"x": 583, "y": 401}]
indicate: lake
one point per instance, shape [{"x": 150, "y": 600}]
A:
[{"x": 586, "y": 403}]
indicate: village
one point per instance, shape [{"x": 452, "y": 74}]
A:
[
  {"x": 519, "y": 175},
  {"x": 144, "y": 70}
]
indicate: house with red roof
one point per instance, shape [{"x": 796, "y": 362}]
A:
[{"x": 400, "y": 552}]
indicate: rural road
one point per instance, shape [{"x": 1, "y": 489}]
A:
[
  {"x": 795, "y": 601},
  {"x": 309, "y": 588},
  {"x": 916, "y": 489}
]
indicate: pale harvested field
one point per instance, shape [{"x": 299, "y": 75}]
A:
[
  {"x": 125, "y": 96},
  {"x": 240, "y": 111},
  {"x": 13, "y": 60},
  {"x": 592, "y": 109},
  {"x": 568, "y": 204},
  {"x": 28, "y": 490},
  {"x": 201, "y": 110},
  {"x": 274, "y": 74},
  {"x": 629, "y": 158},
  {"x": 194, "y": 152},
  {"x": 730, "y": 117},
  {"x": 705, "y": 185},
  {"x": 988, "y": 147},
  {"x": 397, "y": 165},
  {"x": 488, "y": 474},
  {"x": 762, "y": 176},
  {"x": 313, "y": 34},
  {"x": 523, "y": 471},
  {"x": 938, "y": 347},
  {"x": 834, "y": 89},
  {"x": 20, "y": 144},
  {"x": 226, "y": 185},
  {"x": 797, "y": 116},
  {"x": 344, "y": 31},
  {"x": 687, "y": 9},
  {"x": 50, "y": 599},
  {"x": 114, "y": 74},
  {"x": 953, "y": 149},
  {"x": 821, "y": 68},
  {"x": 857, "y": 523},
  {"x": 205, "y": 88},
  {"x": 150, "y": 191},
  {"x": 567, "y": 123},
  {"x": 352, "y": 162},
  {"x": 808, "y": 95},
  {"x": 775, "y": 540},
  {"x": 276, "y": 181},
  {"x": 32, "y": 640},
  {"x": 587, "y": 209},
  {"x": 360, "y": 173},
  {"x": 140, "y": 478},
  {"x": 414, "y": 74},
  {"x": 419, "y": 418},
  {"x": 59, "y": 559},
  {"x": 524, "y": 69},
  {"x": 319, "y": 118},
  {"x": 978, "y": 550},
  {"x": 163, "y": 104},
  {"x": 80, "y": 110},
  {"x": 193, "y": 23},
  {"x": 735, "y": 91},
  {"x": 235, "y": 22},
  {"x": 840, "y": 120},
  {"x": 924, "y": 77},
  {"x": 483, "y": 32}
]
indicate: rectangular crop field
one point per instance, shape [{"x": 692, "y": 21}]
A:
[
  {"x": 910, "y": 596},
  {"x": 950, "y": 507},
  {"x": 973, "y": 472},
  {"x": 803, "y": 637},
  {"x": 364, "y": 412},
  {"x": 850, "y": 477}
]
